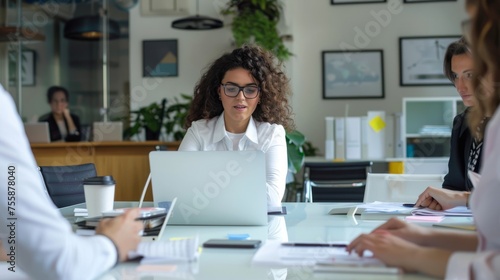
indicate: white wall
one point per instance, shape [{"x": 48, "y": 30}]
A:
[
  {"x": 195, "y": 50},
  {"x": 319, "y": 26},
  {"x": 316, "y": 26}
]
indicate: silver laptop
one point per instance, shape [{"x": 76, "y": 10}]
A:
[
  {"x": 213, "y": 187},
  {"x": 37, "y": 132},
  {"x": 107, "y": 131}
]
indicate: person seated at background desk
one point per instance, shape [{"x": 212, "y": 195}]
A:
[
  {"x": 62, "y": 124},
  {"x": 458, "y": 254},
  {"x": 241, "y": 103},
  {"x": 465, "y": 152},
  {"x": 40, "y": 239}
]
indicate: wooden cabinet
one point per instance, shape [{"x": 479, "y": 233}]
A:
[{"x": 127, "y": 162}]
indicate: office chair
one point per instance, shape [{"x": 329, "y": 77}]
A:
[
  {"x": 399, "y": 187},
  {"x": 335, "y": 181},
  {"x": 65, "y": 183}
]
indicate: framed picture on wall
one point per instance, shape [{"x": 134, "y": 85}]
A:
[
  {"x": 427, "y": 1},
  {"x": 338, "y": 2},
  {"x": 421, "y": 60},
  {"x": 28, "y": 67},
  {"x": 160, "y": 58},
  {"x": 353, "y": 74}
]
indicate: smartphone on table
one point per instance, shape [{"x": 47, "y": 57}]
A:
[{"x": 229, "y": 243}]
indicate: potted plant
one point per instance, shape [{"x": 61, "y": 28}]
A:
[
  {"x": 297, "y": 149},
  {"x": 176, "y": 117},
  {"x": 255, "y": 21},
  {"x": 149, "y": 118}
]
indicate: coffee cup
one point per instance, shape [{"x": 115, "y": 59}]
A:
[{"x": 99, "y": 194}]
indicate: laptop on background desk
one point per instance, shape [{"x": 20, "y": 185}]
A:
[
  {"x": 213, "y": 187},
  {"x": 107, "y": 131},
  {"x": 37, "y": 132}
]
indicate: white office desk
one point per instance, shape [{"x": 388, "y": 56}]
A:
[{"x": 304, "y": 222}]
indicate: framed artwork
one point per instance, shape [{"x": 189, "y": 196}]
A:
[
  {"x": 338, "y": 2},
  {"x": 353, "y": 74},
  {"x": 160, "y": 58},
  {"x": 421, "y": 60},
  {"x": 28, "y": 67},
  {"x": 427, "y": 1}
]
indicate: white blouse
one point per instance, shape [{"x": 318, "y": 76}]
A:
[
  {"x": 485, "y": 263},
  {"x": 211, "y": 135}
]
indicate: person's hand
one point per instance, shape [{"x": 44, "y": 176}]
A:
[
  {"x": 388, "y": 248},
  {"x": 123, "y": 231},
  {"x": 404, "y": 230},
  {"x": 441, "y": 199},
  {"x": 66, "y": 112},
  {"x": 3, "y": 254}
]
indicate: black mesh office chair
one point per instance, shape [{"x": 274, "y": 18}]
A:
[
  {"x": 65, "y": 183},
  {"x": 335, "y": 181}
]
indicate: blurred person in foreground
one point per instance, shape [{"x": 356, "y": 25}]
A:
[
  {"x": 456, "y": 254},
  {"x": 40, "y": 240}
]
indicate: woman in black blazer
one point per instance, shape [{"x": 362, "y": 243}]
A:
[
  {"x": 62, "y": 124},
  {"x": 465, "y": 153}
]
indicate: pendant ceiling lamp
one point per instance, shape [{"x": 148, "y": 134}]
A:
[
  {"x": 91, "y": 28},
  {"x": 197, "y": 22}
]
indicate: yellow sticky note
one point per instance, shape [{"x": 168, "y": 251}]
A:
[{"x": 377, "y": 124}]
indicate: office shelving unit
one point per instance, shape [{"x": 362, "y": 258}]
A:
[{"x": 427, "y": 124}]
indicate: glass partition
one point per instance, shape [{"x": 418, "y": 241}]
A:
[{"x": 42, "y": 57}]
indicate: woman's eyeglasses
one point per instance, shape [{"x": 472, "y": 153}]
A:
[{"x": 250, "y": 92}]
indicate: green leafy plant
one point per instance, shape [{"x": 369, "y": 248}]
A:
[
  {"x": 255, "y": 21},
  {"x": 176, "y": 117},
  {"x": 309, "y": 149},
  {"x": 149, "y": 118},
  {"x": 297, "y": 148},
  {"x": 294, "y": 142}
]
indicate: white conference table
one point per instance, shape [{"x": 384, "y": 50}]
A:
[{"x": 304, "y": 222}]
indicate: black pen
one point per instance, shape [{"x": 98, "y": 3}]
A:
[{"x": 308, "y": 244}]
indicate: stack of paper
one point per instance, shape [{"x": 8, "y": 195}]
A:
[
  {"x": 323, "y": 258},
  {"x": 180, "y": 250},
  {"x": 457, "y": 211},
  {"x": 384, "y": 210},
  {"x": 80, "y": 212}
]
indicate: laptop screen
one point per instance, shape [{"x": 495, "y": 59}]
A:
[
  {"x": 212, "y": 187},
  {"x": 37, "y": 132}
]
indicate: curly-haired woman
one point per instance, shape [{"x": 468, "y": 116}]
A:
[{"x": 241, "y": 103}]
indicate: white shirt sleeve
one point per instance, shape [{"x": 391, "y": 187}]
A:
[
  {"x": 33, "y": 231},
  {"x": 276, "y": 167},
  {"x": 190, "y": 142},
  {"x": 484, "y": 265}
]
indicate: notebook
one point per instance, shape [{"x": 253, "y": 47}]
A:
[
  {"x": 107, "y": 131},
  {"x": 212, "y": 187},
  {"x": 37, "y": 132},
  {"x": 87, "y": 226}
]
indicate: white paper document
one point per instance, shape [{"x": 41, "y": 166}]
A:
[
  {"x": 460, "y": 211},
  {"x": 375, "y": 209},
  {"x": 182, "y": 250},
  {"x": 323, "y": 258}
]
